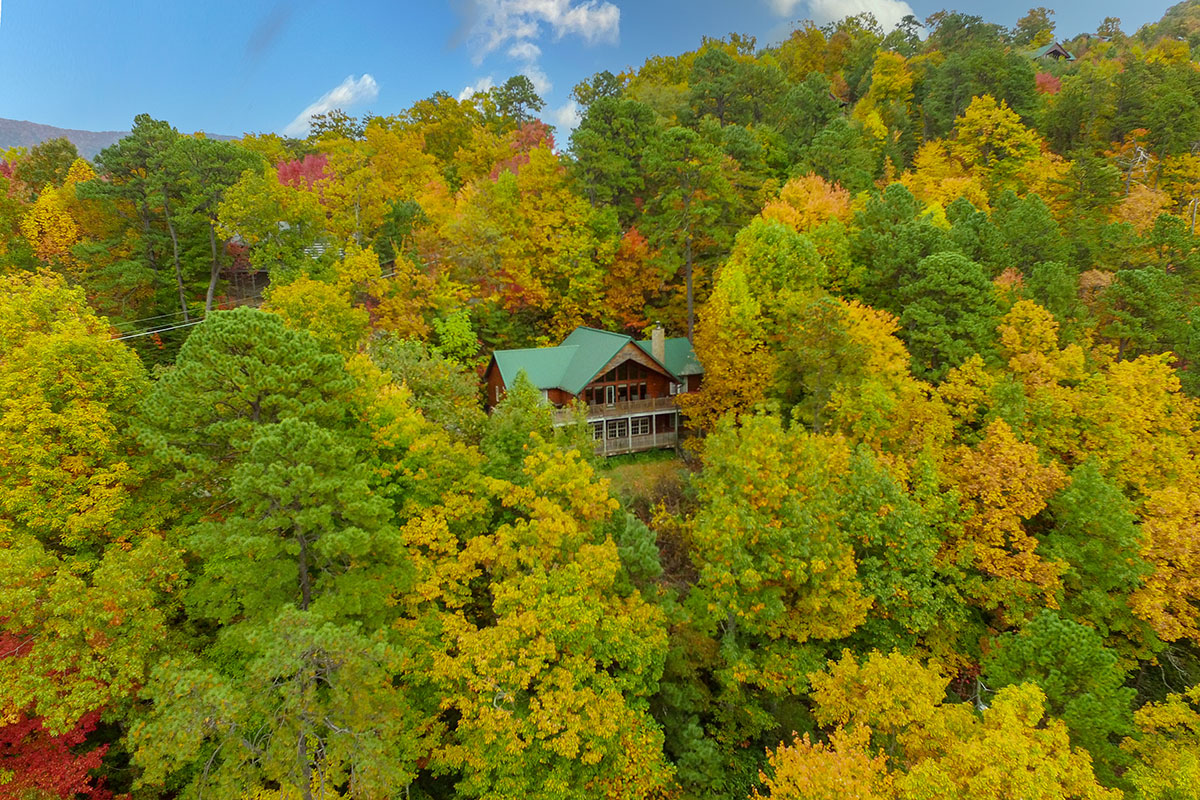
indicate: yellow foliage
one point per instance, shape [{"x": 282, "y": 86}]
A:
[
  {"x": 729, "y": 342},
  {"x": 1168, "y": 749},
  {"x": 840, "y": 770},
  {"x": 1136, "y": 419},
  {"x": 324, "y": 310},
  {"x": 936, "y": 750},
  {"x": 807, "y": 201},
  {"x": 1029, "y": 340},
  {"x": 49, "y": 227},
  {"x": 1170, "y": 598},
  {"x": 1002, "y": 483},
  {"x": 936, "y": 178},
  {"x": 993, "y": 143},
  {"x": 1013, "y": 753},
  {"x": 1141, "y": 207}
]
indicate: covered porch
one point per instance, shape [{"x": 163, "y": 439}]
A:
[{"x": 630, "y": 427}]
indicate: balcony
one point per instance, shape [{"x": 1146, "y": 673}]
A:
[
  {"x": 635, "y": 444},
  {"x": 630, "y": 408}
]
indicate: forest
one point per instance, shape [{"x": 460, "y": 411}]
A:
[{"x": 935, "y": 534}]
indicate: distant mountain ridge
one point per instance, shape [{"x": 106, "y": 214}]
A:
[{"x": 21, "y": 133}]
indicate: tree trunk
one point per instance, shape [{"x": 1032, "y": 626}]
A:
[
  {"x": 687, "y": 260},
  {"x": 175, "y": 247},
  {"x": 305, "y": 581},
  {"x": 216, "y": 269},
  {"x": 305, "y": 765}
]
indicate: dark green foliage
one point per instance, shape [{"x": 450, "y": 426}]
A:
[
  {"x": 1143, "y": 312},
  {"x": 1055, "y": 286},
  {"x": 394, "y": 237},
  {"x": 1081, "y": 678},
  {"x": 950, "y": 312},
  {"x": 807, "y": 109},
  {"x": 239, "y": 371},
  {"x": 46, "y": 164},
  {"x": 1029, "y": 231},
  {"x": 977, "y": 237},
  {"x": 839, "y": 154},
  {"x": 608, "y": 149},
  {"x": 891, "y": 239},
  {"x": 977, "y": 71},
  {"x": 896, "y": 544},
  {"x": 1095, "y": 534}
]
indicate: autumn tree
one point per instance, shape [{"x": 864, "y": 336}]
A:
[{"x": 688, "y": 206}]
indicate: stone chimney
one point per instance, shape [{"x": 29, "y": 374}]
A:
[{"x": 658, "y": 343}]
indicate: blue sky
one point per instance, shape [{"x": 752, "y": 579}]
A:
[{"x": 235, "y": 66}]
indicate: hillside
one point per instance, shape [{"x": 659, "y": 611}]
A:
[
  {"x": 303, "y": 477},
  {"x": 22, "y": 133}
]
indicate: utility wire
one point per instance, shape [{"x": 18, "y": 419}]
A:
[
  {"x": 157, "y": 330},
  {"x": 147, "y": 319},
  {"x": 164, "y": 329}
]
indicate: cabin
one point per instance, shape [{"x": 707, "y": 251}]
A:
[
  {"x": 1053, "y": 50},
  {"x": 627, "y": 387}
]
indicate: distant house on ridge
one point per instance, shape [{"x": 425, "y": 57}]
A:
[
  {"x": 628, "y": 387},
  {"x": 1053, "y": 50}
]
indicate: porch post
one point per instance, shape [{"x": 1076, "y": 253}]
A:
[
  {"x": 629, "y": 423},
  {"x": 654, "y": 430}
]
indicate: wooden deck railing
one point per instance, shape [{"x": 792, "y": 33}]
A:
[
  {"x": 596, "y": 412},
  {"x": 635, "y": 444}
]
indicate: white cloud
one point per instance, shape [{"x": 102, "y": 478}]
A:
[
  {"x": 565, "y": 117},
  {"x": 538, "y": 77},
  {"x": 525, "y": 51},
  {"x": 345, "y": 96},
  {"x": 490, "y": 24},
  {"x": 887, "y": 12},
  {"x": 481, "y": 85}
]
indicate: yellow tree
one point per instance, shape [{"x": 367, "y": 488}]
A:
[
  {"x": 1168, "y": 748},
  {"x": 1015, "y": 751},
  {"x": 546, "y": 666},
  {"x": 993, "y": 143},
  {"x": 82, "y": 567},
  {"x": 843, "y": 769},
  {"x": 938, "y": 179},
  {"x": 938, "y": 750},
  {"x": 1170, "y": 598},
  {"x": 808, "y": 201},
  {"x": 1002, "y": 482},
  {"x": 731, "y": 343}
]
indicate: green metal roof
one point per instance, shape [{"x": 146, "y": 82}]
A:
[
  {"x": 1041, "y": 52},
  {"x": 679, "y": 356},
  {"x": 573, "y": 364},
  {"x": 544, "y": 366},
  {"x": 596, "y": 348}
]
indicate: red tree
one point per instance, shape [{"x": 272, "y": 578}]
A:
[
  {"x": 304, "y": 173},
  {"x": 44, "y": 765}
]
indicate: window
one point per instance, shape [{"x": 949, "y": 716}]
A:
[
  {"x": 641, "y": 426},
  {"x": 618, "y": 429},
  {"x": 641, "y": 391},
  {"x": 497, "y": 394},
  {"x": 674, "y": 388},
  {"x": 597, "y": 431},
  {"x": 610, "y": 395}
]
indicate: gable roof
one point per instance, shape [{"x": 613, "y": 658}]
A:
[
  {"x": 578, "y": 360},
  {"x": 1053, "y": 49}
]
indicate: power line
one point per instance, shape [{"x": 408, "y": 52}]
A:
[
  {"x": 153, "y": 331},
  {"x": 146, "y": 319},
  {"x": 157, "y": 330}
]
